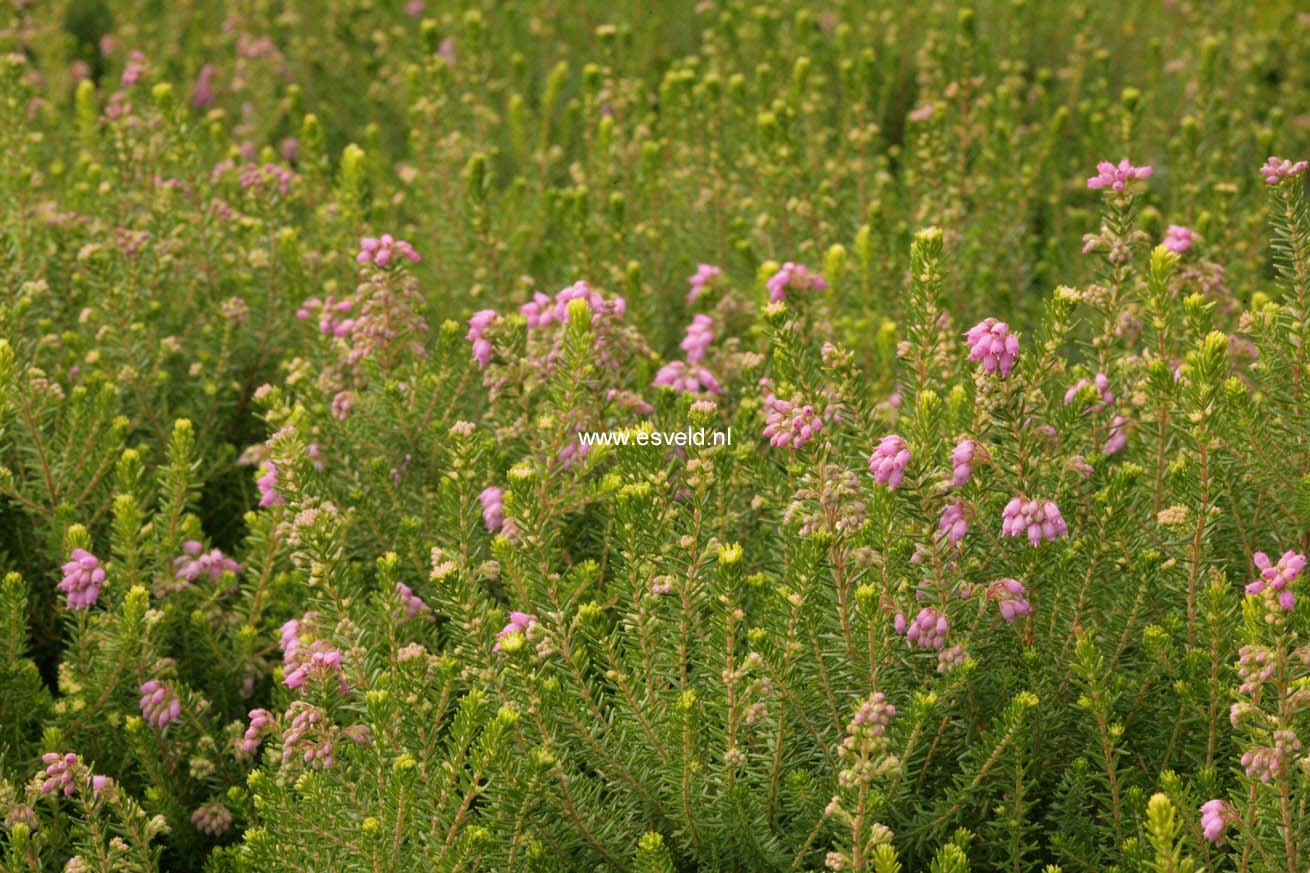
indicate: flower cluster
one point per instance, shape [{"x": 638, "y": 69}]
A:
[
  {"x": 478, "y": 325},
  {"x": 381, "y": 250},
  {"x": 888, "y": 461},
  {"x": 1215, "y": 815},
  {"x": 1037, "y": 519},
  {"x": 789, "y": 424},
  {"x": 212, "y": 818},
  {"x": 954, "y": 521},
  {"x": 160, "y": 705},
  {"x": 519, "y": 624},
  {"x": 965, "y": 454},
  {"x": 1277, "y": 170},
  {"x": 414, "y": 605},
  {"x": 1011, "y": 596},
  {"x": 83, "y": 577},
  {"x": 927, "y": 631},
  {"x": 793, "y": 277},
  {"x": 1117, "y": 177},
  {"x": 701, "y": 280},
  {"x": 992, "y": 345},
  {"x": 196, "y": 563},
  {"x": 1178, "y": 239},
  {"x": 1276, "y": 578}
]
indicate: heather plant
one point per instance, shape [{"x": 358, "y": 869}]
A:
[{"x": 352, "y": 360}]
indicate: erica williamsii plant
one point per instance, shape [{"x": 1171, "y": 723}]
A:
[{"x": 357, "y": 364}]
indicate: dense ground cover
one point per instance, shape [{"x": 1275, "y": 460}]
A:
[{"x": 304, "y": 566}]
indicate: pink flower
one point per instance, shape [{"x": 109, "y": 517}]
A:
[
  {"x": 1038, "y": 519},
  {"x": 788, "y": 424},
  {"x": 267, "y": 485},
  {"x": 686, "y": 379},
  {"x": 381, "y": 250},
  {"x": 193, "y": 564},
  {"x": 1010, "y": 596},
  {"x": 793, "y": 277},
  {"x": 323, "y": 664},
  {"x": 261, "y": 722},
  {"x": 701, "y": 280},
  {"x": 1102, "y": 385},
  {"x": 954, "y": 523},
  {"x": 327, "y": 312},
  {"x": 1267, "y": 762},
  {"x": 927, "y": 631},
  {"x": 478, "y": 325},
  {"x": 923, "y": 113},
  {"x": 212, "y": 818},
  {"x": 1276, "y": 578},
  {"x": 159, "y": 704},
  {"x": 414, "y": 604},
  {"x": 992, "y": 345},
  {"x": 58, "y": 773},
  {"x": 493, "y": 507},
  {"x": 700, "y": 334},
  {"x": 1214, "y": 819},
  {"x": 962, "y": 459},
  {"x": 875, "y": 714},
  {"x": 1117, "y": 177},
  {"x": 135, "y": 69},
  {"x": 541, "y": 311},
  {"x": 202, "y": 92},
  {"x": 519, "y": 622},
  {"x": 887, "y": 463},
  {"x": 1118, "y": 437},
  {"x": 83, "y": 577},
  {"x": 1275, "y": 170},
  {"x": 1178, "y": 239}
]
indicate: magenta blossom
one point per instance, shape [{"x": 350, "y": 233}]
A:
[
  {"x": 381, "y": 250},
  {"x": 267, "y": 485},
  {"x": 159, "y": 704},
  {"x": 1118, "y": 437},
  {"x": 134, "y": 70},
  {"x": 954, "y": 523},
  {"x": 963, "y": 457},
  {"x": 686, "y": 379},
  {"x": 493, "y": 507},
  {"x": 701, "y": 280},
  {"x": 788, "y": 424},
  {"x": 700, "y": 333},
  {"x": 992, "y": 345},
  {"x": 1214, "y": 819},
  {"x": 519, "y": 623},
  {"x": 83, "y": 577},
  {"x": 58, "y": 773},
  {"x": 414, "y": 605},
  {"x": 1011, "y": 597},
  {"x": 1102, "y": 386},
  {"x": 1037, "y": 519},
  {"x": 887, "y": 463},
  {"x": 478, "y": 325},
  {"x": 261, "y": 722},
  {"x": 1178, "y": 239},
  {"x": 1277, "y": 578},
  {"x": 927, "y": 631},
  {"x": 212, "y": 818},
  {"x": 1117, "y": 177},
  {"x": 323, "y": 664},
  {"x": 793, "y": 277},
  {"x": 196, "y": 563},
  {"x": 1275, "y": 170}
]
